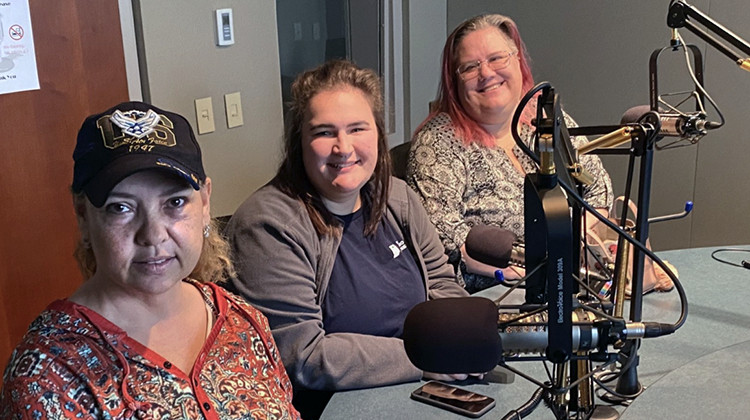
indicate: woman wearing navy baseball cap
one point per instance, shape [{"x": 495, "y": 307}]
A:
[{"x": 148, "y": 334}]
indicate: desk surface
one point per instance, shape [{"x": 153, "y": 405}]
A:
[{"x": 697, "y": 372}]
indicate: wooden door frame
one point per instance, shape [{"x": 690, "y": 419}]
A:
[{"x": 81, "y": 69}]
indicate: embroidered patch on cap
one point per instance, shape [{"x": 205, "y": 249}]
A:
[
  {"x": 132, "y": 137},
  {"x": 136, "y": 123}
]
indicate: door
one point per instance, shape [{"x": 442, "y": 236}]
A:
[
  {"x": 368, "y": 32},
  {"x": 81, "y": 70}
]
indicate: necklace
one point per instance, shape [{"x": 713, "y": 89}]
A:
[{"x": 212, "y": 312}]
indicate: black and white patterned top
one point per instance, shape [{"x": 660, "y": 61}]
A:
[{"x": 466, "y": 185}]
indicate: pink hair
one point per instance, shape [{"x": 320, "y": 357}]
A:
[{"x": 465, "y": 126}]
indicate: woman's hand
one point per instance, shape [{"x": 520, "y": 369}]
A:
[{"x": 593, "y": 223}]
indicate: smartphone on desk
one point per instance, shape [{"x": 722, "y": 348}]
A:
[{"x": 453, "y": 398}]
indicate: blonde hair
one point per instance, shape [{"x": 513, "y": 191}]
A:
[{"x": 214, "y": 265}]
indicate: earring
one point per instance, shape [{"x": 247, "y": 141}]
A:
[{"x": 206, "y": 231}]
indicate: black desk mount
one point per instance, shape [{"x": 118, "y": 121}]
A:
[
  {"x": 680, "y": 15},
  {"x": 559, "y": 302}
]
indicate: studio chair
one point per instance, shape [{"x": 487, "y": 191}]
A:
[{"x": 399, "y": 159}]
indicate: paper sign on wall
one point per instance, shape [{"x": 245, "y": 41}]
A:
[{"x": 17, "y": 57}]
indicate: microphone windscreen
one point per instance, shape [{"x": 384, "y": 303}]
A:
[
  {"x": 490, "y": 245},
  {"x": 634, "y": 114},
  {"x": 453, "y": 335}
]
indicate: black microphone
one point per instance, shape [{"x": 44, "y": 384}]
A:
[
  {"x": 453, "y": 335},
  {"x": 462, "y": 335},
  {"x": 495, "y": 246},
  {"x": 673, "y": 124}
]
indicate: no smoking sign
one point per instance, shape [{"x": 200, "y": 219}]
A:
[{"x": 15, "y": 32}]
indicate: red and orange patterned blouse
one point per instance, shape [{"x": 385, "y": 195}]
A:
[{"x": 73, "y": 363}]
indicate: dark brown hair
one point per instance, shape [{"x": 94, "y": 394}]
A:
[{"x": 292, "y": 177}]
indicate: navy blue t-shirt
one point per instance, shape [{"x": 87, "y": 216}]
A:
[{"x": 374, "y": 283}]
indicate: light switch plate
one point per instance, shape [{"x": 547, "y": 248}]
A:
[
  {"x": 204, "y": 114},
  {"x": 233, "y": 105}
]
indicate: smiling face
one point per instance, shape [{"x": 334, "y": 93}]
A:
[
  {"x": 148, "y": 235},
  {"x": 492, "y": 97},
  {"x": 339, "y": 146}
]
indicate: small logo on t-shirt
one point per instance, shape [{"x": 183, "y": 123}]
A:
[{"x": 397, "y": 248}]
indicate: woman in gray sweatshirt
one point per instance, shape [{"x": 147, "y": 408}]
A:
[{"x": 335, "y": 251}]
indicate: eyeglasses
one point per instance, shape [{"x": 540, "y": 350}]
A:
[{"x": 499, "y": 61}]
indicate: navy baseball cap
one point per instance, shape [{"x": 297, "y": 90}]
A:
[{"x": 132, "y": 137}]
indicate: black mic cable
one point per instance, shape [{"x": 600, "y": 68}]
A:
[
  {"x": 650, "y": 254},
  {"x": 744, "y": 263}
]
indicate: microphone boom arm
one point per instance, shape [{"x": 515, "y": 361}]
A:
[{"x": 679, "y": 16}]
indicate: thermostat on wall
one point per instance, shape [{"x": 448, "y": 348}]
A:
[{"x": 224, "y": 27}]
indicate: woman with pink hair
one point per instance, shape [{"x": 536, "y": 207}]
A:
[{"x": 464, "y": 162}]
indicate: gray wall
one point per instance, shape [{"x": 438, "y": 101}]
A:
[
  {"x": 596, "y": 55},
  {"x": 426, "y": 29},
  {"x": 183, "y": 63}
]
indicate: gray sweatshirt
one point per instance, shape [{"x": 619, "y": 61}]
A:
[{"x": 284, "y": 268}]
